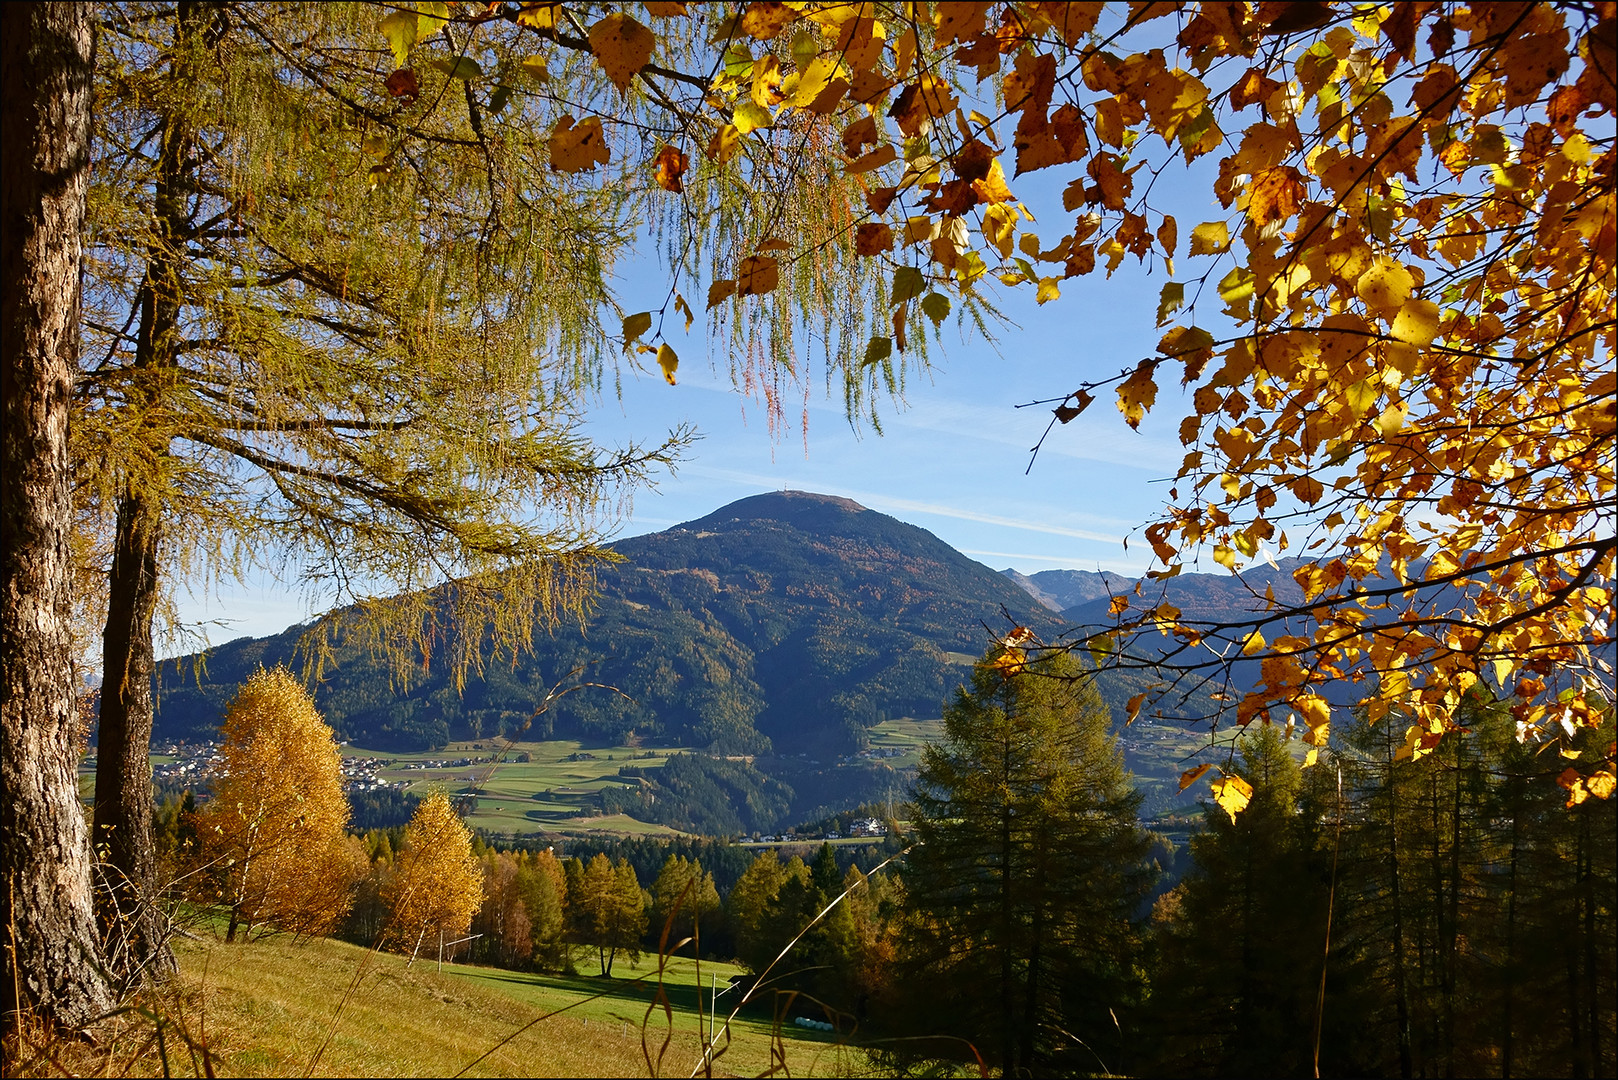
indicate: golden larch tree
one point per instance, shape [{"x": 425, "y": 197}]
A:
[
  {"x": 275, "y": 823},
  {"x": 439, "y": 884}
]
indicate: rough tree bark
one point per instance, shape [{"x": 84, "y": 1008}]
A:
[{"x": 51, "y": 946}]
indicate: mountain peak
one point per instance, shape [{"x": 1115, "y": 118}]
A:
[{"x": 790, "y": 507}]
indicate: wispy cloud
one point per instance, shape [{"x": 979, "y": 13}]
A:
[
  {"x": 883, "y": 502},
  {"x": 1065, "y": 562},
  {"x": 895, "y": 504}
]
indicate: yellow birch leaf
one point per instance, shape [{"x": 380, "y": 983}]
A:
[
  {"x": 1170, "y": 300},
  {"x": 1385, "y": 285},
  {"x": 1210, "y": 238},
  {"x": 1417, "y": 322},
  {"x": 1137, "y": 393},
  {"x": 635, "y": 325},
  {"x": 812, "y": 81},
  {"x": 1310, "y": 758},
  {"x": 668, "y": 361},
  {"x": 764, "y": 19},
  {"x": 1049, "y": 289},
  {"x": 1503, "y": 666},
  {"x": 1232, "y": 793},
  {"x": 1392, "y": 421},
  {"x": 684, "y": 309},
  {"x": 877, "y": 158},
  {"x": 1255, "y": 643},
  {"x": 749, "y": 116},
  {"x": 537, "y": 69},
  {"x": 766, "y": 89},
  {"x": 1133, "y": 708},
  {"x": 400, "y": 31},
  {"x": 1191, "y": 776},
  {"x": 622, "y": 47},
  {"x": 578, "y": 148},
  {"x": 722, "y": 147},
  {"x": 720, "y": 291}
]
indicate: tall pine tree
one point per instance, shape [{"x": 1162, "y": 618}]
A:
[{"x": 1028, "y": 872}]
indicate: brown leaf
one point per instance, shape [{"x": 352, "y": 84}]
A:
[
  {"x": 1067, "y": 413},
  {"x": 671, "y": 165},
  {"x": 859, "y": 134},
  {"x": 1296, "y": 17},
  {"x": 402, "y": 84},
  {"x": 873, "y": 238},
  {"x": 878, "y": 200},
  {"x": 622, "y": 47}
]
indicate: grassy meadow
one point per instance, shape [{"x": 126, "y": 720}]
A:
[
  {"x": 324, "y": 1008},
  {"x": 555, "y": 790}
]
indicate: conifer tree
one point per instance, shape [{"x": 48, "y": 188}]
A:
[
  {"x": 1239, "y": 942},
  {"x": 439, "y": 884},
  {"x": 327, "y": 334},
  {"x": 608, "y": 909},
  {"x": 1023, "y": 886},
  {"x": 684, "y": 899},
  {"x": 274, "y": 826}
]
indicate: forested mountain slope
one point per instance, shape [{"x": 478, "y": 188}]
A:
[{"x": 786, "y": 621}]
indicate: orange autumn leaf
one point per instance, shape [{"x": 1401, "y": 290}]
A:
[
  {"x": 671, "y": 164},
  {"x": 758, "y": 274}
]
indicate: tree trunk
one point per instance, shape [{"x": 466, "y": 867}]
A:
[
  {"x": 134, "y": 924},
  {"x": 51, "y": 947},
  {"x": 131, "y": 918}
]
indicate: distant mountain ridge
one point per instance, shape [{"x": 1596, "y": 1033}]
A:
[
  {"x": 1063, "y": 589},
  {"x": 787, "y": 621}
]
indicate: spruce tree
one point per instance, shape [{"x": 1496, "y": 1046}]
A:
[
  {"x": 1024, "y": 885},
  {"x": 1239, "y": 943}
]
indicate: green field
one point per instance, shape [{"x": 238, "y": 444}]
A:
[
  {"x": 906, "y": 735},
  {"x": 324, "y": 1008},
  {"x": 554, "y": 791}
]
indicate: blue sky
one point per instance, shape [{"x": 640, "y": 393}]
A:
[
  {"x": 953, "y": 454},
  {"x": 951, "y": 458}
]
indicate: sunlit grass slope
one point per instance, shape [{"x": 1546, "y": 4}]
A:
[{"x": 266, "y": 1008}]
